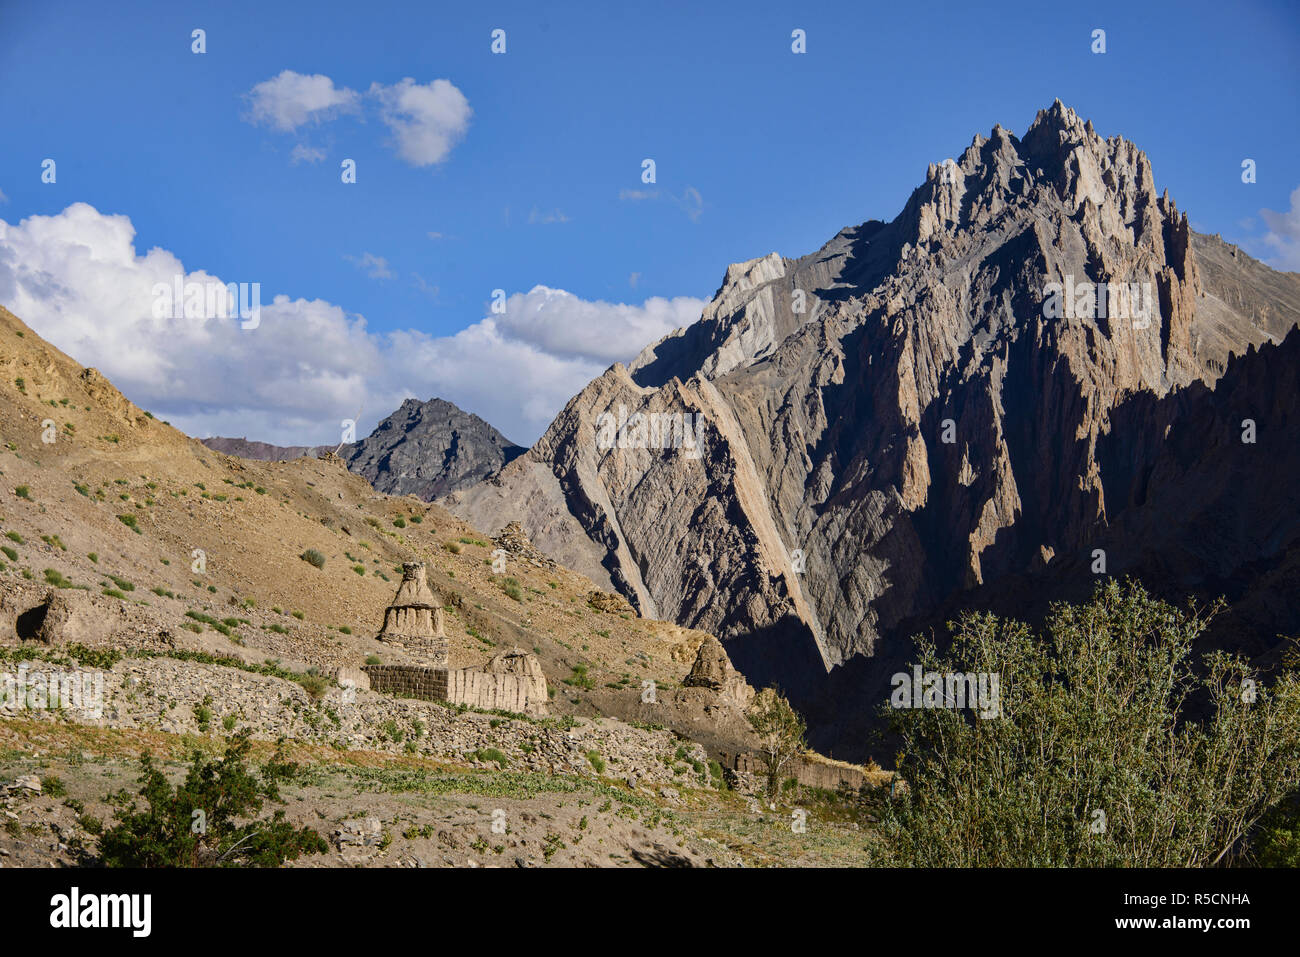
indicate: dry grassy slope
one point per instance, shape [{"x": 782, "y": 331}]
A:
[{"x": 185, "y": 497}]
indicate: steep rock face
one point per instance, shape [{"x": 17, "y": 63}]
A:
[{"x": 911, "y": 414}]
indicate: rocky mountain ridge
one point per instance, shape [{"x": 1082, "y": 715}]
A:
[{"x": 927, "y": 410}]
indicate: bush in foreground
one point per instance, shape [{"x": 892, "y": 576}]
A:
[
  {"x": 197, "y": 823},
  {"x": 1111, "y": 748}
]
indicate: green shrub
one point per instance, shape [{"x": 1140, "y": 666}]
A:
[
  {"x": 55, "y": 578},
  {"x": 314, "y": 685},
  {"x": 230, "y": 796},
  {"x": 101, "y": 658},
  {"x": 596, "y": 761},
  {"x": 22, "y": 491},
  {"x": 131, "y": 522},
  {"x": 312, "y": 557},
  {"x": 491, "y": 754},
  {"x": 580, "y": 678},
  {"x": 1111, "y": 747}
]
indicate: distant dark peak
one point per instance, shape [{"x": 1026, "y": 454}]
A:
[{"x": 428, "y": 449}]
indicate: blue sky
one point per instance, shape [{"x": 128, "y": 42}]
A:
[{"x": 535, "y": 182}]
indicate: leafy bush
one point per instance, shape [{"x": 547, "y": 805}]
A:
[
  {"x": 197, "y": 823},
  {"x": 596, "y": 761},
  {"x": 314, "y": 685},
  {"x": 780, "y": 732},
  {"x": 1111, "y": 748},
  {"x": 491, "y": 754},
  {"x": 312, "y": 557},
  {"x": 55, "y": 578},
  {"x": 131, "y": 522},
  {"x": 102, "y": 658},
  {"x": 580, "y": 678}
]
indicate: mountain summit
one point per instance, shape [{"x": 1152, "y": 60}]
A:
[
  {"x": 424, "y": 449},
  {"x": 983, "y": 391}
]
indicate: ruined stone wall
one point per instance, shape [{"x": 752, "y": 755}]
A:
[
  {"x": 427, "y": 683},
  {"x": 481, "y": 689},
  {"x": 431, "y": 651},
  {"x": 809, "y": 773}
]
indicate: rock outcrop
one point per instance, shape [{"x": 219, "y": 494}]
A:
[
  {"x": 713, "y": 670},
  {"x": 921, "y": 412},
  {"x": 519, "y": 548}
]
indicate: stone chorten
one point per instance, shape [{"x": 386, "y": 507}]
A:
[{"x": 414, "y": 620}]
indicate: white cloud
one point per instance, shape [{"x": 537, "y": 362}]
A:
[
  {"x": 1283, "y": 236},
  {"x": 690, "y": 201},
  {"x": 561, "y": 324},
  {"x": 302, "y": 153},
  {"x": 77, "y": 279},
  {"x": 426, "y": 120},
  {"x": 291, "y": 99},
  {"x": 376, "y": 267}
]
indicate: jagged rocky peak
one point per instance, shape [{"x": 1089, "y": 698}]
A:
[{"x": 919, "y": 410}]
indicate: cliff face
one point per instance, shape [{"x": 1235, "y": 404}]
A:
[{"x": 925, "y": 410}]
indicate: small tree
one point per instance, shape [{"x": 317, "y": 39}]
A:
[
  {"x": 198, "y": 822},
  {"x": 1111, "y": 748},
  {"x": 781, "y": 734}
]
